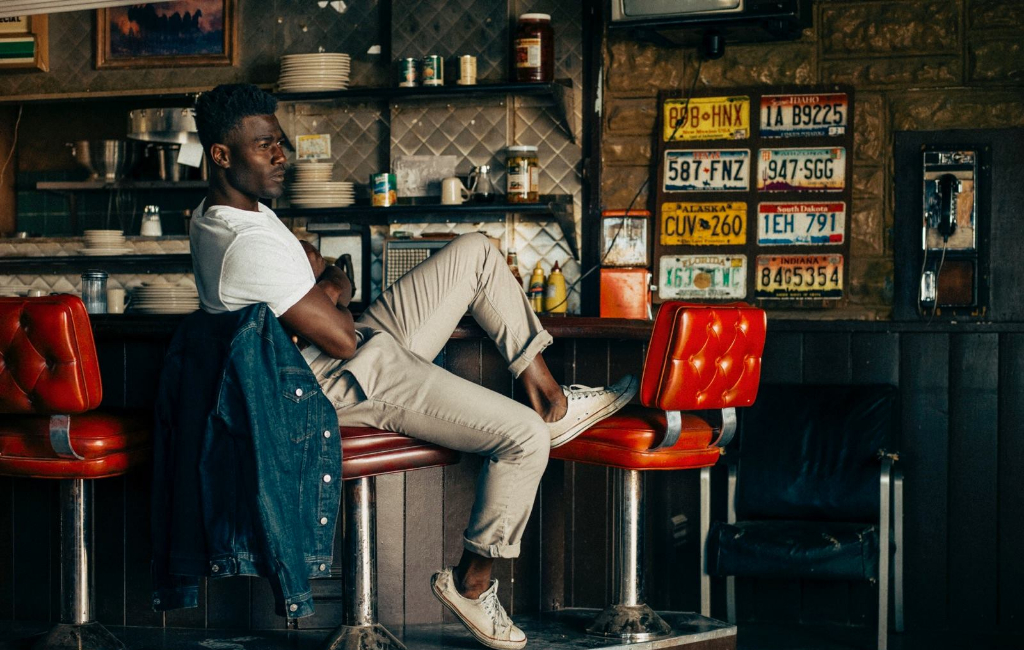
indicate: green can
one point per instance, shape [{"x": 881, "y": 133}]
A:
[{"x": 433, "y": 70}]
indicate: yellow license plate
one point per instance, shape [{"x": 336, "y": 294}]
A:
[
  {"x": 799, "y": 277},
  {"x": 707, "y": 118},
  {"x": 703, "y": 224}
]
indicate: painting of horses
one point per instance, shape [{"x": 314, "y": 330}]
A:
[{"x": 166, "y": 34}]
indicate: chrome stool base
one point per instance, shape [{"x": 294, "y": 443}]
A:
[
  {"x": 630, "y": 623},
  {"x": 362, "y": 637},
  {"x": 85, "y": 636}
]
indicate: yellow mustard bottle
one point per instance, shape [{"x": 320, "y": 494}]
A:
[
  {"x": 554, "y": 297},
  {"x": 537, "y": 289}
]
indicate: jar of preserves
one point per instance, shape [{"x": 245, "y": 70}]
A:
[
  {"x": 522, "y": 173},
  {"x": 535, "y": 49}
]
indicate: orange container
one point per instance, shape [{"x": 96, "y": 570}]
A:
[{"x": 626, "y": 293}]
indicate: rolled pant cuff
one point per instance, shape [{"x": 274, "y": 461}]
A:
[
  {"x": 536, "y": 345},
  {"x": 492, "y": 550}
]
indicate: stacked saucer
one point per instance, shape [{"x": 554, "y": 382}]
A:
[
  {"x": 165, "y": 298},
  {"x": 105, "y": 242},
  {"x": 313, "y": 187},
  {"x": 317, "y": 71}
]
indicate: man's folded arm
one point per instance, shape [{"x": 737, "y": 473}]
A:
[{"x": 320, "y": 319}]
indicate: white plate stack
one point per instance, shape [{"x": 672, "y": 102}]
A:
[
  {"x": 165, "y": 298},
  {"x": 105, "y": 242},
  {"x": 313, "y": 187},
  {"x": 311, "y": 72}
]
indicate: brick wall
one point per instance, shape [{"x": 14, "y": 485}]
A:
[{"x": 916, "y": 65}]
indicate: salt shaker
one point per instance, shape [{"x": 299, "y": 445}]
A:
[
  {"x": 94, "y": 291},
  {"x": 151, "y": 222}
]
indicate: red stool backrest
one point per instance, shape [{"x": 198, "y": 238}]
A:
[
  {"x": 703, "y": 357},
  {"x": 47, "y": 356}
]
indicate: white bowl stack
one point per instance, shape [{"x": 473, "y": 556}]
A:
[
  {"x": 312, "y": 72},
  {"x": 313, "y": 187},
  {"x": 105, "y": 242},
  {"x": 165, "y": 298}
]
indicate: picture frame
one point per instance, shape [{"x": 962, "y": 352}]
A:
[
  {"x": 167, "y": 35},
  {"x": 24, "y": 43}
]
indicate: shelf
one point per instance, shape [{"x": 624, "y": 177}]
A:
[
  {"x": 559, "y": 207},
  {"x": 164, "y": 263},
  {"x": 561, "y": 91},
  {"x": 79, "y": 186}
]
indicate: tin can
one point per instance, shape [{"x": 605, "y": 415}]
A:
[
  {"x": 467, "y": 70},
  {"x": 410, "y": 74},
  {"x": 383, "y": 187},
  {"x": 433, "y": 70}
]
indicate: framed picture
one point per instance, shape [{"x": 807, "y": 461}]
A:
[
  {"x": 24, "y": 43},
  {"x": 167, "y": 34}
]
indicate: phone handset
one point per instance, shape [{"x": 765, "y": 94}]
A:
[{"x": 949, "y": 187}]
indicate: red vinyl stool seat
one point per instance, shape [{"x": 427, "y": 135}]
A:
[
  {"x": 701, "y": 358},
  {"x": 365, "y": 454},
  {"x": 49, "y": 389}
]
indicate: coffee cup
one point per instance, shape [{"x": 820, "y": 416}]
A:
[
  {"x": 115, "y": 301},
  {"x": 453, "y": 192}
]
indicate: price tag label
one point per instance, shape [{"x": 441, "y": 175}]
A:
[
  {"x": 313, "y": 147},
  {"x": 703, "y": 224}
]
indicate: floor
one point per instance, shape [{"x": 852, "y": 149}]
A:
[{"x": 18, "y": 636}]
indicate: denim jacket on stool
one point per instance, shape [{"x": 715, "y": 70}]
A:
[{"x": 242, "y": 434}]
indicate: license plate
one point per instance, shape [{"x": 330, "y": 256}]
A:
[
  {"x": 800, "y": 223},
  {"x": 788, "y": 116},
  {"x": 802, "y": 170},
  {"x": 707, "y": 171},
  {"x": 707, "y": 118},
  {"x": 799, "y": 277},
  {"x": 702, "y": 277},
  {"x": 703, "y": 224}
]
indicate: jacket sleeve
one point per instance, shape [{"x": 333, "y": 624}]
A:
[{"x": 169, "y": 591}]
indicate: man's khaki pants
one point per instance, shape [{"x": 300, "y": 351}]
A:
[{"x": 391, "y": 382}]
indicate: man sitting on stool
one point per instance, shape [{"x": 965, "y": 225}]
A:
[{"x": 377, "y": 369}]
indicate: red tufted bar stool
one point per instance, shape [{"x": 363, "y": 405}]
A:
[
  {"x": 49, "y": 388},
  {"x": 365, "y": 454},
  {"x": 700, "y": 357}
]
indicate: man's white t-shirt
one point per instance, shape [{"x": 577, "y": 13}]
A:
[{"x": 242, "y": 257}]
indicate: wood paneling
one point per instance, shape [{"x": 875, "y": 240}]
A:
[{"x": 1010, "y": 460}]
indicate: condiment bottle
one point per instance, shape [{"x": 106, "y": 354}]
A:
[
  {"x": 537, "y": 288},
  {"x": 554, "y": 297},
  {"x": 513, "y": 265},
  {"x": 522, "y": 174},
  {"x": 535, "y": 49}
]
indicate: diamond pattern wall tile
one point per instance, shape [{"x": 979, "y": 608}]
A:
[
  {"x": 308, "y": 28},
  {"x": 451, "y": 28},
  {"x": 473, "y": 131}
]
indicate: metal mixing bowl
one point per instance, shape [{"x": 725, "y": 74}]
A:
[{"x": 109, "y": 160}]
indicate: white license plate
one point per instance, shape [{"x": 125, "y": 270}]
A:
[
  {"x": 802, "y": 170},
  {"x": 707, "y": 171},
  {"x": 799, "y": 277},
  {"x": 702, "y": 277},
  {"x": 789, "y": 116},
  {"x": 780, "y": 224}
]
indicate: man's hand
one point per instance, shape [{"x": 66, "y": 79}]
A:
[{"x": 316, "y": 261}]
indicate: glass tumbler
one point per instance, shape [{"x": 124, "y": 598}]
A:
[{"x": 94, "y": 291}]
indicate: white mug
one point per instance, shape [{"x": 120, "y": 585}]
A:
[
  {"x": 453, "y": 192},
  {"x": 36, "y": 293},
  {"x": 115, "y": 301}
]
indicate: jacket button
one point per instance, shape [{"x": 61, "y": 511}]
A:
[
  {"x": 327, "y": 478},
  {"x": 298, "y": 393},
  {"x": 327, "y": 434},
  {"x": 323, "y": 567},
  {"x": 215, "y": 568},
  {"x": 293, "y": 607},
  {"x": 323, "y": 521}
]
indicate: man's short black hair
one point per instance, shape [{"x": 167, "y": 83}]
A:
[{"x": 223, "y": 108}]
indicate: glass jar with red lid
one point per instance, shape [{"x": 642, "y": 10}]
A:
[{"x": 535, "y": 49}]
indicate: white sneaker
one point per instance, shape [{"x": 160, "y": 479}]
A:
[
  {"x": 484, "y": 617},
  {"x": 587, "y": 406}
]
